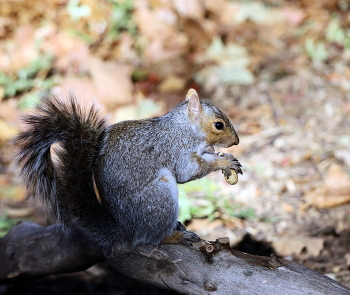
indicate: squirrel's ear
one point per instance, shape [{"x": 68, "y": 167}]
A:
[{"x": 194, "y": 105}]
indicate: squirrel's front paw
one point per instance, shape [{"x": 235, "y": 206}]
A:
[{"x": 232, "y": 164}]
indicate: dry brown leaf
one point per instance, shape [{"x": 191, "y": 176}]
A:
[
  {"x": 11, "y": 192},
  {"x": 125, "y": 51},
  {"x": 163, "y": 39},
  {"x": 319, "y": 200},
  {"x": 172, "y": 84},
  {"x": 20, "y": 51},
  {"x": 228, "y": 15},
  {"x": 9, "y": 111},
  {"x": 287, "y": 207},
  {"x": 143, "y": 108},
  {"x": 70, "y": 52},
  {"x": 19, "y": 212},
  {"x": 191, "y": 9},
  {"x": 81, "y": 87},
  {"x": 294, "y": 245},
  {"x": 112, "y": 82},
  {"x": 335, "y": 190},
  {"x": 216, "y": 6},
  {"x": 293, "y": 15},
  {"x": 337, "y": 181},
  {"x": 6, "y": 132}
]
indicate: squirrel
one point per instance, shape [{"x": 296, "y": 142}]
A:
[{"x": 118, "y": 183}]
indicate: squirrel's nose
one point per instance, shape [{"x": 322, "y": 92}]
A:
[
  {"x": 236, "y": 141},
  {"x": 235, "y": 138}
]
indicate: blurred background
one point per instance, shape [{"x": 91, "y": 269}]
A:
[{"x": 278, "y": 68}]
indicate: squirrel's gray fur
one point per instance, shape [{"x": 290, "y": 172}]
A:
[{"x": 135, "y": 166}]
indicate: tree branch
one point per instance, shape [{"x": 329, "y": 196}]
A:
[{"x": 30, "y": 250}]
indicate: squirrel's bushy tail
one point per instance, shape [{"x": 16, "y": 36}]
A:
[{"x": 64, "y": 183}]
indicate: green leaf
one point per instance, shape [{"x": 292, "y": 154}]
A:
[
  {"x": 203, "y": 211},
  {"x": 17, "y": 86},
  {"x": 191, "y": 207},
  {"x": 77, "y": 10},
  {"x": 38, "y": 64},
  {"x": 4, "y": 79},
  {"x": 245, "y": 213},
  {"x": 29, "y": 101},
  {"x": 122, "y": 19},
  {"x": 6, "y": 224},
  {"x": 334, "y": 32},
  {"x": 147, "y": 108},
  {"x": 316, "y": 50},
  {"x": 231, "y": 64}
]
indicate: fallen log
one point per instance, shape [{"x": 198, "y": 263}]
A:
[{"x": 30, "y": 250}]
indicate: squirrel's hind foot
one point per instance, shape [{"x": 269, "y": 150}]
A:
[{"x": 181, "y": 236}]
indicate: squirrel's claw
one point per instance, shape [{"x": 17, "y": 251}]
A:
[
  {"x": 238, "y": 170},
  {"x": 236, "y": 166},
  {"x": 189, "y": 236}
]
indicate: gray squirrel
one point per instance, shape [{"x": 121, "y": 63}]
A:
[{"x": 118, "y": 183}]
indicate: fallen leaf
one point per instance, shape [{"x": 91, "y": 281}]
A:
[
  {"x": 162, "y": 38},
  {"x": 143, "y": 108},
  {"x": 287, "y": 207},
  {"x": 319, "y": 200},
  {"x": 337, "y": 181},
  {"x": 112, "y": 81},
  {"x": 6, "y": 132},
  {"x": 9, "y": 111},
  {"x": 286, "y": 246},
  {"x": 216, "y": 6},
  {"x": 70, "y": 52},
  {"x": 82, "y": 87},
  {"x": 125, "y": 51},
  {"x": 335, "y": 190},
  {"x": 172, "y": 84},
  {"x": 13, "y": 193},
  {"x": 191, "y": 9},
  {"x": 231, "y": 64},
  {"x": 255, "y": 11},
  {"x": 19, "y": 212},
  {"x": 293, "y": 16},
  {"x": 20, "y": 51}
]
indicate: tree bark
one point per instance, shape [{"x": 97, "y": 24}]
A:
[{"x": 30, "y": 250}]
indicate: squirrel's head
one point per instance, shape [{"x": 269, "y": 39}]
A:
[{"x": 213, "y": 123}]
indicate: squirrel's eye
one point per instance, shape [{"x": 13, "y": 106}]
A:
[{"x": 219, "y": 125}]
